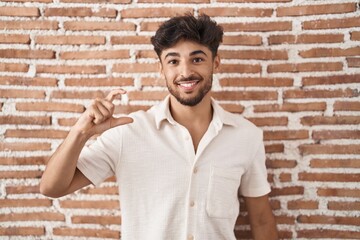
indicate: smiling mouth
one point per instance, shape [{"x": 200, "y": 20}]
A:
[{"x": 188, "y": 85}]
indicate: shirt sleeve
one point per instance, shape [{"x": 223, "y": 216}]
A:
[
  {"x": 98, "y": 160},
  {"x": 254, "y": 181}
]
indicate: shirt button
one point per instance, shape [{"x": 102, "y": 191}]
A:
[
  {"x": 190, "y": 237},
  {"x": 192, "y": 203},
  {"x": 195, "y": 170}
]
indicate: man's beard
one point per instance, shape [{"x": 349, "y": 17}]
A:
[{"x": 190, "y": 101}]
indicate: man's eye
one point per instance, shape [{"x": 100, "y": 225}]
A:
[
  {"x": 197, "y": 60},
  {"x": 173, "y": 62}
]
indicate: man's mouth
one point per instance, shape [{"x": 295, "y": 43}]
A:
[{"x": 188, "y": 85}]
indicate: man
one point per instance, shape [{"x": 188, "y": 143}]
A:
[{"x": 181, "y": 165}]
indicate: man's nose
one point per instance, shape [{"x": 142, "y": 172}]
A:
[{"x": 186, "y": 70}]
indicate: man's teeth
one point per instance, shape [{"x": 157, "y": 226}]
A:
[{"x": 188, "y": 84}]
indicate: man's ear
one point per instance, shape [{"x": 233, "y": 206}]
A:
[
  {"x": 160, "y": 69},
  {"x": 216, "y": 65}
]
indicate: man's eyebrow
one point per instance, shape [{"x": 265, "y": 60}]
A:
[
  {"x": 172, "y": 54},
  {"x": 197, "y": 52}
]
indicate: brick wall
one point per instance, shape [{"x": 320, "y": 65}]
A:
[{"x": 290, "y": 66}]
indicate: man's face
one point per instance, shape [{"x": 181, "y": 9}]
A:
[{"x": 188, "y": 68}]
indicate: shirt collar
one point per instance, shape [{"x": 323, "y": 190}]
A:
[{"x": 220, "y": 116}]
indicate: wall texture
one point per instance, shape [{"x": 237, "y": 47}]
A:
[{"x": 290, "y": 66}]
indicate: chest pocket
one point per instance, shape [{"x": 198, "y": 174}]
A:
[{"x": 222, "y": 196}]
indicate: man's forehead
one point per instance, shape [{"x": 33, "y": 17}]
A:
[{"x": 185, "y": 48}]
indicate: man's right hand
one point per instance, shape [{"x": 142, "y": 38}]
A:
[{"x": 98, "y": 117}]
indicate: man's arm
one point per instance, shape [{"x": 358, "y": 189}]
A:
[
  {"x": 262, "y": 220},
  {"x": 61, "y": 176}
]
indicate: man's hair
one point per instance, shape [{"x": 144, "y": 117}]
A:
[{"x": 201, "y": 30}]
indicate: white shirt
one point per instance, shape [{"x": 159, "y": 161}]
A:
[{"x": 167, "y": 190}]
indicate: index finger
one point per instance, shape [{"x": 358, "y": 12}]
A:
[{"x": 112, "y": 94}]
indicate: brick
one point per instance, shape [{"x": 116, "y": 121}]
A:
[
  {"x": 22, "y": 203},
  {"x": 18, "y": 146},
  {"x": 315, "y": 9},
  {"x": 104, "y": 204},
  {"x": 99, "y": 26},
  {"x": 328, "y": 177},
  {"x": 135, "y": 67},
  {"x": 305, "y": 39},
  {"x": 50, "y": 107},
  {"x": 70, "y": 40},
  {"x": 153, "y": 82},
  {"x": 269, "y": 121},
  {"x": 327, "y": 233},
  {"x": 332, "y": 23},
  {"x": 97, "y": 82},
  {"x": 96, "y": 1},
  {"x": 28, "y": 54},
  {"x": 335, "y": 134},
  {"x": 344, "y": 206},
  {"x": 79, "y": 12},
  {"x": 33, "y": 120},
  {"x": 330, "y": 80},
  {"x": 22, "y": 231},
  {"x": 302, "y": 204},
  {"x": 240, "y": 68},
  {"x": 320, "y": 219},
  {"x": 285, "y": 177},
  {"x": 130, "y": 40},
  {"x": 174, "y": 1},
  {"x": 234, "y": 108},
  {"x": 15, "y": 93},
  {"x": 338, "y": 192},
  {"x": 40, "y": 1},
  {"x": 19, "y": 11},
  {"x": 305, "y": 67},
  {"x": 336, "y": 120},
  {"x": 77, "y": 94},
  {"x": 29, "y": 25},
  {"x": 146, "y": 54},
  {"x": 291, "y": 107},
  {"x": 274, "y": 148},
  {"x": 67, "y": 121},
  {"x": 306, "y": 149},
  {"x": 61, "y": 69},
  {"x": 22, "y": 189},
  {"x": 149, "y": 26},
  {"x": 109, "y": 54},
  {"x": 33, "y": 216},
  {"x": 86, "y": 232},
  {"x": 155, "y": 12},
  {"x": 353, "y": 62},
  {"x": 35, "y": 133},
  {"x": 285, "y": 191},
  {"x": 126, "y": 109},
  {"x": 246, "y": 40},
  {"x": 346, "y": 106},
  {"x": 257, "y": 26},
  {"x": 24, "y": 81},
  {"x": 256, "y": 82},
  {"x": 330, "y": 52},
  {"x": 273, "y": 163},
  {"x": 284, "y": 219},
  {"x": 236, "y": 12},
  {"x": 245, "y": 95},
  {"x": 355, "y": 36},
  {"x": 24, "y": 160},
  {"x": 335, "y": 163},
  {"x": 286, "y": 135},
  {"x": 254, "y": 54},
  {"x": 254, "y": 1},
  {"x": 151, "y": 95},
  {"x": 15, "y": 38},
  {"x": 101, "y": 190},
  {"x": 101, "y": 220},
  {"x": 341, "y": 93},
  {"x": 14, "y": 67}
]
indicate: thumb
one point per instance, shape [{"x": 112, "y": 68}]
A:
[{"x": 114, "y": 122}]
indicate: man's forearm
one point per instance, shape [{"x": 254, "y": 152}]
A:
[{"x": 265, "y": 231}]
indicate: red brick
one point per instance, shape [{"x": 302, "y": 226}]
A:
[
  {"x": 24, "y": 160},
  {"x": 18, "y": 146},
  {"x": 335, "y": 163},
  {"x": 101, "y": 220},
  {"x": 104, "y": 204},
  {"x": 14, "y": 67},
  {"x": 274, "y": 148},
  {"x": 173, "y": 1},
  {"x": 86, "y": 232},
  {"x": 346, "y": 106},
  {"x": 245, "y": 95},
  {"x": 336, "y": 120},
  {"x": 306, "y": 149},
  {"x": 291, "y": 107},
  {"x": 155, "y": 12},
  {"x": 305, "y": 39},
  {"x": 97, "y": 82},
  {"x": 113, "y": 54},
  {"x": 332, "y": 23},
  {"x": 130, "y": 40},
  {"x": 153, "y": 82},
  {"x": 328, "y": 177},
  {"x": 99, "y": 26},
  {"x": 353, "y": 62},
  {"x": 286, "y": 135},
  {"x": 338, "y": 192},
  {"x": 15, "y": 38},
  {"x": 15, "y": 93},
  {"x": 22, "y": 189},
  {"x": 236, "y": 12},
  {"x": 294, "y": 190},
  {"x": 269, "y": 121},
  {"x": 79, "y": 12},
  {"x": 355, "y": 36},
  {"x": 22, "y": 231},
  {"x": 335, "y": 134},
  {"x": 27, "y": 174},
  {"x": 257, "y": 26},
  {"x": 149, "y": 26},
  {"x": 146, "y": 54},
  {"x": 135, "y": 67},
  {"x": 95, "y": 1},
  {"x": 285, "y": 177},
  {"x": 258, "y": 82},
  {"x": 234, "y": 108},
  {"x": 330, "y": 52},
  {"x": 29, "y": 25},
  {"x": 35, "y": 133},
  {"x": 28, "y": 54},
  {"x": 273, "y": 164},
  {"x": 302, "y": 204},
  {"x": 305, "y": 67},
  {"x": 240, "y": 68},
  {"x": 327, "y": 233},
  {"x": 22, "y": 203},
  {"x": 316, "y": 9},
  {"x": 77, "y": 94},
  {"x": 70, "y": 40},
  {"x": 101, "y": 190},
  {"x": 24, "y": 81},
  {"x": 61, "y": 69},
  {"x": 19, "y": 11},
  {"x": 67, "y": 121},
  {"x": 284, "y": 219},
  {"x": 42, "y": 1},
  {"x": 344, "y": 206},
  {"x": 341, "y": 93},
  {"x": 330, "y": 80},
  {"x": 320, "y": 219},
  {"x": 50, "y": 107},
  {"x": 33, "y": 120},
  {"x": 254, "y": 54},
  {"x": 254, "y": 1},
  {"x": 247, "y": 40},
  {"x": 33, "y": 216},
  {"x": 151, "y": 95}
]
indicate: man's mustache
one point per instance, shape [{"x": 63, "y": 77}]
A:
[{"x": 187, "y": 79}]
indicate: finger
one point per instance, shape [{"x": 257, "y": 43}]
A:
[
  {"x": 96, "y": 114},
  {"x": 114, "y": 122},
  {"x": 111, "y": 96}
]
